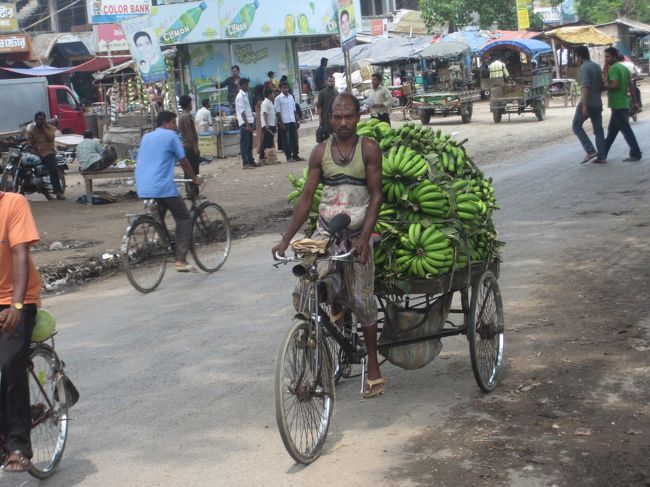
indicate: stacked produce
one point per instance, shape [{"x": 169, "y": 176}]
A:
[{"x": 437, "y": 209}]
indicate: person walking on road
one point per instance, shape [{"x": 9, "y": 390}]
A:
[
  {"x": 289, "y": 122},
  {"x": 41, "y": 138},
  {"x": 20, "y": 296},
  {"x": 190, "y": 138},
  {"x": 246, "y": 124},
  {"x": 618, "y": 83},
  {"x": 349, "y": 167},
  {"x": 324, "y": 108},
  {"x": 154, "y": 178},
  {"x": 380, "y": 100},
  {"x": 590, "y": 106},
  {"x": 268, "y": 123}
]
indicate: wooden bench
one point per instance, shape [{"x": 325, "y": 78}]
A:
[{"x": 110, "y": 173}]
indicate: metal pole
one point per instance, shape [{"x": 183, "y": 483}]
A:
[
  {"x": 557, "y": 65},
  {"x": 348, "y": 71}
]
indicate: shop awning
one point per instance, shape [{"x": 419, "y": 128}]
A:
[
  {"x": 581, "y": 34},
  {"x": 93, "y": 65},
  {"x": 68, "y": 45},
  {"x": 532, "y": 47},
  {"x": 114, "y": 70},
  {"x": 445, "y": 49}
]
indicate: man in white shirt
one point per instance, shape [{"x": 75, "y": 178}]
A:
[
  {"x": 246, "y": 123},
  {"x": 268, "y": 122},
  {"x": 288, "y": 122},
  {"x": 380, "y": 100},
  {"x": 203, "y": 118}
]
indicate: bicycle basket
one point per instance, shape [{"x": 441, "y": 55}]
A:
[{"x": 405, "y": 324}]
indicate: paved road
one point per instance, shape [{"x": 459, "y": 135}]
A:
[{"x": 177, "y": 386}]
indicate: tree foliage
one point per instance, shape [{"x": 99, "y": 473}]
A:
[
  {"x": 601, "y": 11},
  {"x": 460, "y": 13}
]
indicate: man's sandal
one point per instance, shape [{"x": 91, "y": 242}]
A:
[
  {"x": 375, "y": 387},
  {"x": 16, "y": 462}
]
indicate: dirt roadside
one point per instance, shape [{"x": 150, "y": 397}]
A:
[{"x": 75, "y": 236}]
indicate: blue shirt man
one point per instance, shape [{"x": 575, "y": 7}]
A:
[{"x": 154, "y": 178}]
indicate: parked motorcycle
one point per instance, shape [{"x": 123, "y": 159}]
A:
[{"x": 25, "y": 173}]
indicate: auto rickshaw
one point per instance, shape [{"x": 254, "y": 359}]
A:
[{"x": 517, "y": 75}]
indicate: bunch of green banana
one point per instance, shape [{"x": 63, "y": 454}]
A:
[
  {"x": 452, "y": 161},
  {"x": 424, "y": 253},
  {"x": 386, "y": 218},
  {"x": 399, "y": 168},
  {"x": 429, "y": 199},
  {"x": 484, "y": 190},
  {"x": 299, "y": 185}
]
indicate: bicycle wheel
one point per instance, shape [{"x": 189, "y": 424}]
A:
[
  {"x": 304, "y": 395},
  {"x": 145, "y": 254},
  {"x": 49, "y": 418},
  {"x": 210, "y": 237},
  {"x": 485, "y": 332}
]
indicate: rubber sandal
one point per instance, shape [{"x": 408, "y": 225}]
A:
[
  {"x": 589, "y": 157},
  {"x": 186, "y": 268},
  {"x": 371, "y": 391},
  {"x": 17, "y": 458}
]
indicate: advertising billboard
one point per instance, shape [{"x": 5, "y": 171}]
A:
[
  {"x": 112, "y": 11},
  {"x": 145, "y": 49},
  {"x": 110, "y": 37},
  {"x": 14, "y": 43},
  {"x": 347, "y": 24},
  {"x": 209, "y": 20},
  {"x": 8, "y": 18}
]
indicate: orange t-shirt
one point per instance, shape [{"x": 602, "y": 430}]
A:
[{"x": 16, "y": 226}]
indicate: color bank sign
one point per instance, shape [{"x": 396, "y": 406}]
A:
[{"x": 111, "y": 11}]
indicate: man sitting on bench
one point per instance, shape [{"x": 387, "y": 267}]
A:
[{"x": 92, "y": 156}]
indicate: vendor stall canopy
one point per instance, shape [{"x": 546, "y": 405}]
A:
[
  {"x": 445, "y": 49},
  {"x": 581, "y": 35},
  {"x": 532, "y": 47}
]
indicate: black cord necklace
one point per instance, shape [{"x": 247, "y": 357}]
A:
[{"x": 345, "y": 159}]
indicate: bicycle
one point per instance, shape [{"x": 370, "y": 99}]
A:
[
  {"x": 148, "y": 243},
  {"x": 50, "y": 398},
  {"x": 306, "y": 371}
]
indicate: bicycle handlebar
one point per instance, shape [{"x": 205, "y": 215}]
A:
[{"x": 278, "y": 258}]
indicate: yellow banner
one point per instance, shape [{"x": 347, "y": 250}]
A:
[
  {"x": 521, "y": 4},
  {"x": 523, "y": 20}
]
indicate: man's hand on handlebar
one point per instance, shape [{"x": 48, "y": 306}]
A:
[
  {"x": 363, "y": 250},
  {"x": 280, "y": 248}
]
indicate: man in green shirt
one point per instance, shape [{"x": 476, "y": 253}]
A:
[{"x": 618, "y": 83}]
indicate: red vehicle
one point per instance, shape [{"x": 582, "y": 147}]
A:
[{"x": 22, "y": 98}]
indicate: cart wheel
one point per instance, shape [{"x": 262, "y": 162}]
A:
[
  {"x": 485, "y": 331},
  {"x": 466, "y": 112},
  {"x": 496, "y": 115}
]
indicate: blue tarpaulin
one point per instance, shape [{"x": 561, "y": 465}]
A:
[{"x": 532, "y": 47}]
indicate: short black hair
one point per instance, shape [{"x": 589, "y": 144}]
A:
[
  {"x": 377, "y": 76},
  {"x": 235, "y": 66},
  {"x": 164, "y": 117},
  {"x": 185, "y": 101},
  {"x": 323, "y": 61},
  {"x": 40, "y": 114},
  {"x": 348, "y": 96},
  {"x": 88, "y": 134},
  {"x": 346, "y": 13},
  {"x": 613, "y": 51},
  {"x": 205, "y": 103},
  {"x": 582, "y": 52},
  {"x": 142, "y": 33},
  {"x": 270, "y": 74},
  {"x": 268, "y": 91},
  {"x": 244, "y": 81}
]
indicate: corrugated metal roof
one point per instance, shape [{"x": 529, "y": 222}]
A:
[{"x": 633, "y": 24}]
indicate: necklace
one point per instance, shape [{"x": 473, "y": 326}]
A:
[{"x": 345, "y": 159}]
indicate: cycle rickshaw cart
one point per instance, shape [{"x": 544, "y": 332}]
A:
[
  {"x": 413, "y": 318},
  {"x": 521, "y": 82},
  {"x": 453, "y": 91}
]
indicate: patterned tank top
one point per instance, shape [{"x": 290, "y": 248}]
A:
[{"x": 345, "y": 189}]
